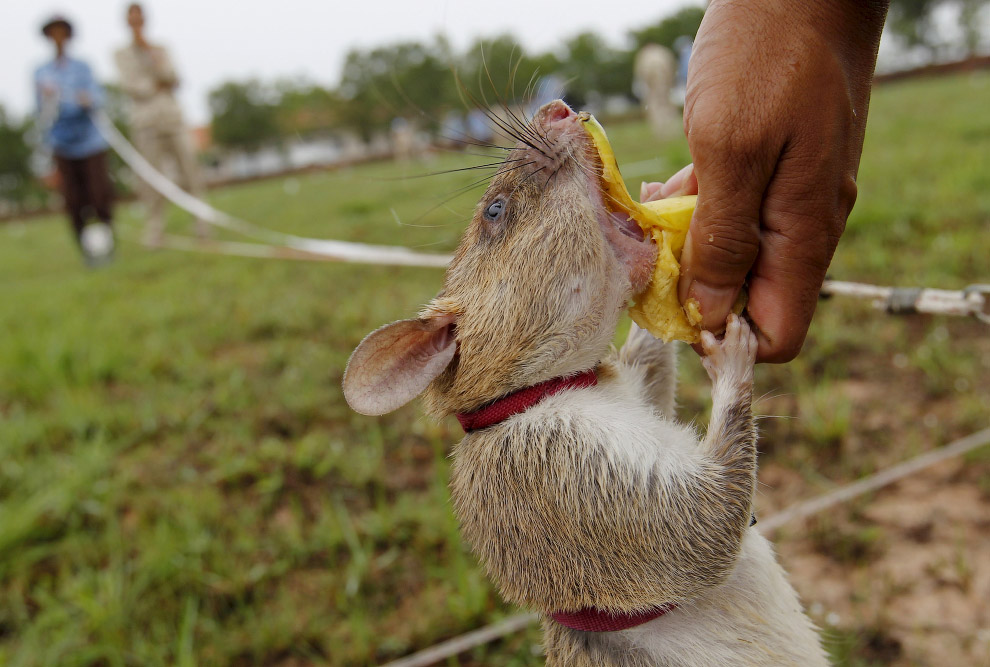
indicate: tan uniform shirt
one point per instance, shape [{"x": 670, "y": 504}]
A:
[{"x": 147, "y": 76}]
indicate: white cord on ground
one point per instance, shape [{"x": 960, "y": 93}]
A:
[
  {"x": 972, "y": 301},
  {"x": 875, "y": 481},
  {"x": 466, "y": 642},
  {"x": 489, "y": 633},
  {"x": 338, "y": 250}
]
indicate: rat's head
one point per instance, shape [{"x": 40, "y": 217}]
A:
[{"x": 534, "y": 291}]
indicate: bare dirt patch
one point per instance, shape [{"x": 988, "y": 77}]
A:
[{"x": 904, "y": 574}]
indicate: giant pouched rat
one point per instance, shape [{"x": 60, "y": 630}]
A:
[{"x": 582, "y": 496}]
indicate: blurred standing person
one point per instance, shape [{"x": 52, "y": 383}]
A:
[
  {"x": 66, "y": 95},
  {"x": 653, "y": 78},
  {"x": 403, "y": 139},
  {"x": 682, "y": 47},
  {"x": 149, "y": 79}
]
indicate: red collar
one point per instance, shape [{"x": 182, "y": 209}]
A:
[
  {"x": 590, "y": 619},
  {"x": 520, "y": 401}
]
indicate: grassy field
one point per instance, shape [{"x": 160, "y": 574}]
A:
[{"x": 181, "y": 482}]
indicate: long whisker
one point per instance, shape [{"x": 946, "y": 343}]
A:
[
  {"x": 521, "y": 128},
  {"x": 520, "y": 122},
  {"x": 554, "y": 173},
  {"x": 511, "y": 169},
  {"x": 515, "y": 133},
  {"x": 530, "y": 130},
  {"x": 507, "y": 128},
  {"x": 523, "y": 181},
  {"x": 490, "y": 165},
  {"x": 456, "y": 193}
]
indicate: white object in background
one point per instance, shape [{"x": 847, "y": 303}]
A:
[{"x": 97, "y": 240}]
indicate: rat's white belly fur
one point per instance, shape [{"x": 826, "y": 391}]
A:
[
  {"x": 616, "y": 421},
  {"x": 754, "y": 617}
]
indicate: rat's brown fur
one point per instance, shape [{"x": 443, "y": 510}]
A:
[
  {"x": 507, "y": 339},
  {"x": 594, "y": 497}
]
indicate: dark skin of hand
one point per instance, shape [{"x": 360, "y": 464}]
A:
[{"x": 775, "y": 112}]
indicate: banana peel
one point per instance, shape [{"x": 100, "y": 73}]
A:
[{"x": 657, "y": 309}]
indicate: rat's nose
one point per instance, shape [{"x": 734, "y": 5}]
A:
[{"x": 556, "y": 111}]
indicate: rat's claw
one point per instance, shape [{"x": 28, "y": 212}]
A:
[
  {"x": 708, "y": 342},
  {"x": 734, "y": 355}
]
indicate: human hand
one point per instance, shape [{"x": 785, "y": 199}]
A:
[
  {"x": 775, "y": 112},
  {"x": 683, "y": 183},
  {"x": 84, "y": 100}
]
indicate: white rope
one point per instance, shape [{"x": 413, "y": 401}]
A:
[
  {"x": 882, "y": 478},
  {"x": 875, "y": 481},
  {"x": 972, "y": 301},
  {"x": 338, "y": 250},
  {"x": 465, "y": 642},
  {"x": 235, "y": 248}
]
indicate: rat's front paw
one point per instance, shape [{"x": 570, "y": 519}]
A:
[{"x": 731, "y": 358}]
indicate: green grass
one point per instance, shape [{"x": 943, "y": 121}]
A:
[{"x": 181, "y": 482}]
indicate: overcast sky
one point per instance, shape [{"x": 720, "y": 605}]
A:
[{"x": 216, "y": 40}]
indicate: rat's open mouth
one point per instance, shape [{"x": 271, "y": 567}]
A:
[
  {"x": 627, "y": 225},
  {"x": 652, "y": 262},
  {"x": 632, "y": 246}
]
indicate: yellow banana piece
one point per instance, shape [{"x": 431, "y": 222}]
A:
[{"x": 657, "y": 309}]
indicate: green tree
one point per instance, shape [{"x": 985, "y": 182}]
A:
[
  {"x": 499, "y": 70},
  {"x": 305, "y": 108},
  {"x": 593, "y": 67},
  {"x": 913, "y": 20},
  {"x": 407, "y": 79},
  {"x": 18, "y": 186},
  {"x": 973, "y": 28},
  {"x": 685, "y": 22},
  {"x": 245, "y": 115}
]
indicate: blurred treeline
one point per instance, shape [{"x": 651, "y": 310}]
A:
[
  {"x": 424, "y": 81},
  {"x": 420, "y": 81}
]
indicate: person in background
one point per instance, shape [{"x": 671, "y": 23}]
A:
[
  {"x": 775, "y": 114},
  {"x": 149, "y": 80},
  {"x": 653, "y": 79},
  {"x": 67, "y": 95},
  {"x": 682, "y": 49}
]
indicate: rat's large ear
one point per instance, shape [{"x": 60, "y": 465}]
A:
[{"x": 394, "y": 364}]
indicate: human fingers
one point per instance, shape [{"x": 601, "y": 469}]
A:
[
  {"x": 803, "y": 216},
  {"x": 724, "y": 237},
  {"x": 680, "y": 184},
  {"x": 684, "y": 182}
]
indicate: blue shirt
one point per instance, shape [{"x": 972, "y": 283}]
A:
[{"x": 67, "y": 125}]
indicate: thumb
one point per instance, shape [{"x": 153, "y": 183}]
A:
[{"x": 722, "y": 241}]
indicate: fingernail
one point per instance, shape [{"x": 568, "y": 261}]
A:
[
  {"x": 675, "y": 185},
  {"x": 715, "y": 303},
  {"x": 649, "y": 191}
]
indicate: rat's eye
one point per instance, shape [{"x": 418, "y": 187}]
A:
[{"x": 494, "y": 210}]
